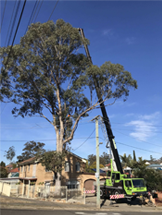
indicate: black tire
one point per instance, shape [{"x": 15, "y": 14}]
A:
[
  {"x": 101, "y": 194},
  {"x": 116, "y": 192}
]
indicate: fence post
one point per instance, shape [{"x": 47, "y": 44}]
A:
[
  {"x": 23, "y": 189},
  {"x": 9, "y": 189},
  {"x": 28, "y": 188},
  {"x": 17, "y": 188},
  {"x": 2, "y": 187},
  {"x": 66, "y": 195},
  {"x": 84, "y": 195}
]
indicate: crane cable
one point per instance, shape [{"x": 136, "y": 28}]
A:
[
  {"x": 3, "y": 14},
  {"x": 31, "y": 16},
  {"x": 13, "y": 24},
  {"x": 10, "y": 23},
  {"x": 53, "y": 10}
]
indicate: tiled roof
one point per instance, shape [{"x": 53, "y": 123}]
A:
[
  {"x": 9, "y": 165},
  {"x": 15, "y": 170},
  {"x": 27, "y": 161},
  {"x": 33, "y": 158}
]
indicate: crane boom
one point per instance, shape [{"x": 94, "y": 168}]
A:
[{"x": 104, "y": 114}]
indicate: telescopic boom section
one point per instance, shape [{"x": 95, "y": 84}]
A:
[{"x": 104, "y": 113}]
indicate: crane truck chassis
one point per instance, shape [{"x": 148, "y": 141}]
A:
[{"x": 118, "y": 186}]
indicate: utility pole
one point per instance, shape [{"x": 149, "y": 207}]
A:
[{"x": 97, "y": 174}]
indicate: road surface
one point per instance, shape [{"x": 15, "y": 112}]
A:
[{"x": 66, "y": 212}]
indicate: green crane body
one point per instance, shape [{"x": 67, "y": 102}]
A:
[{"x": 117, "y": 183}]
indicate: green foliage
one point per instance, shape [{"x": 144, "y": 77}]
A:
[
  {"x": 114, "y": 81},
  {"x": 104, "y": 159},
  {"x": 31, "y": 149},
  {"x": 91, "y": 162},
  {"x": 10, "y": 154},
  {"x": 53, "y": 160},
  {"x": 134, "y": 156},
  {"x": 152, "y": 177},
  {"x": 32, "y": 183},
  {"x": 46, "y": 71},
  {"x": 18, "y": 183},
  {"x": 40, "y": 183},
  {"x": 3, "y": 172},
  {"x": 14, "y": 165},
  {"x": 2, "y": 164}
]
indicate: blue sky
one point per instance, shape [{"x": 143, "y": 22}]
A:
[{"x": 124, "y": 32}]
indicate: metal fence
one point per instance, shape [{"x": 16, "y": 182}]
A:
[
  {"x": 76, "y": 195},
  {"x": 48, "y": 193}
]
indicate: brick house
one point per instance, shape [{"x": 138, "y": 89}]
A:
[
  {"x": 73, "y": 173},
  {"x": 14, "y": 173}
]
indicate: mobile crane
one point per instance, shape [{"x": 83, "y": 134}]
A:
[{"x": 116, "y": 182}]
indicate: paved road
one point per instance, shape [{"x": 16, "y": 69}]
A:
[{"x": 65, "y": 212}]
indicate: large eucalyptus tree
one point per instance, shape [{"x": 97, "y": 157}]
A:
[{"x": 47, "y": 71}]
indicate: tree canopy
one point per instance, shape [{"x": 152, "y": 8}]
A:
[
  {"x": 47, "y": 75},
  {"x": 2, "y": 164},
  {"x": 53, "y": 160},
  {"x": 10, "y": 153},
  {"x": 152, "y": 177},
  {"x": 3, "y": 172},
  {"x": 46, "y": 71},
  {"x": 31, "y": 149}
]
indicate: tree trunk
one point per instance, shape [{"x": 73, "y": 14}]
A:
[{"x": 58, "y": 175}]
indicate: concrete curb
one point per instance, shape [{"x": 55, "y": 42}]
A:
[{"x": 80, "y": 209}]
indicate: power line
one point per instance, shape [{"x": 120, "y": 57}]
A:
[
  {"x": 31, "y": 16},
  {"x": 3, "y": 14},
  {"x": 134, "y": 130},
  {"x": 10, "y": 23},
  {"x": 16, "y": 29},
  {"x": 85, "y": 140},
  {"x": 13, "y": 128},
  {"x": 38, "y": 10},
  {"x": 35, "y": 10},
  {"x": 139, "y": 140},
  {"x": 44, "y": 139},
  {"x": 139, "y": 148},
  {"x": 53, "y": 10},
  {"x": 13, "y": 24}
]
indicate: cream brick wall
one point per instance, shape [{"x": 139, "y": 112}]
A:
[{"x": 43, "y": 176}]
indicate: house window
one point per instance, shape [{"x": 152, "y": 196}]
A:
[
  {"x": 29, "y": 168},
  {"x": 77, "y": 167},
  {"x": 21, "y": 168},
  {"x": 24, "y": 168},
  {"x": 67, "y": 166}
]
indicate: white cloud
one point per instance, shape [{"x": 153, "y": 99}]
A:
[
  {"x": 151, "y": 116},
  {"x": 144, "y": 127},
  {"x": 107, "y": 32},
  {"x": 130, "y": 40},
  {"x": 130, "y": 114},
  {"x": 125, "y": 104}
]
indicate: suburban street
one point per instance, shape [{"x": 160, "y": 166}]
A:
[
  {"x": 81, "y": 108},
  {"x": 65, "y": 212}
]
